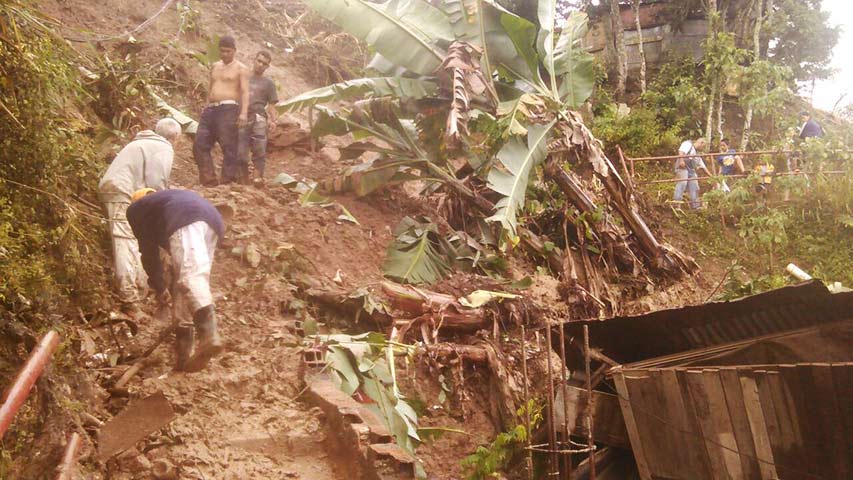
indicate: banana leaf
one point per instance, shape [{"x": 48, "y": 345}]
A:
[
  {"x": 406, "y": 32},
  {"x": 355, "y": 89},
  {"x": 413, "y": 256},
  {"x": 518, "y": 159},
  {"x": 573, "y": 64}
]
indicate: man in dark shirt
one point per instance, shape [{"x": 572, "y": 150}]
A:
[
  {"x": 810, "y": 128},
  {"x": 188, "y": 227},
  {"x": 262, "y": 117}
]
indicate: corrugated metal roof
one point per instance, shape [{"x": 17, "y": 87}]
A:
[{"x": 665, "y": 332}]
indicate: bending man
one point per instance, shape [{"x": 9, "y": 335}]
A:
[
  {"x": 686, "y": 166},
  {"x": 144, "y": 162},
  {"x": 188, "y": 227}
]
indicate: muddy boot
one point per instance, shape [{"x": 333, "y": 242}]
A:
[
  {"x": 209, "y": 344},
  {"x": 183, "y": 346}
]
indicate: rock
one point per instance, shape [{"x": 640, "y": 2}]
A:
[{"x": 164, "y": 470}]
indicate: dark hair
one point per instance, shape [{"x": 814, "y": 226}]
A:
[
  {"x": 724, "y": 140},
  {"x": 805, "y": 113},
  {"x": 266, "y": 54},
  {"x": 228, "y": 42}
]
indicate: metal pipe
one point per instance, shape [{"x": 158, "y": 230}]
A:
[
  {"x": 740, "y": 175},
  {"x": 65, "y": 470},
  {"x": 568, "y": 456},
  {"x": 589, "y": 404},
  {"x": 552, "y": 427},
  {"x": 526, "y": 402},
  {"x": 20, "y": 389},
  {"x": 742, "y": 154}
]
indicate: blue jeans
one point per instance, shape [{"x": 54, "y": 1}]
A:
[
  {"x": 690, "y": 184},
  {"x": 217, "y": 124}
]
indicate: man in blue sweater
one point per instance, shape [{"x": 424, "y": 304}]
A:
[{"x": 188, "y": 227}]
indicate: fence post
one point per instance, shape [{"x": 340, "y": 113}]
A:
[{"x": 20, "y": 389}]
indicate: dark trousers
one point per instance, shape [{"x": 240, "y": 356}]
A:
[
  {"x": 253, "y": 138},
  {"x": 217, "y": 124}
]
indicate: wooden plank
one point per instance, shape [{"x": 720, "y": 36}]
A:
[
  {"x": 640, "y": 386},
  {"x": 802, "y": 405},
  {"x": 841, "y": 376},
  {"x": 834, "y": 445},
  {"x": 631, "y": 424},
  {"x": 696, "y": 445},
  {"x": 755, "y": 415},
  {"x": 722, "y": 423},
  {"x": 691, "y": 463},
  {"x": 784, "y": 419},
  {"x": 702, "y": 405},
  {"x": 669, "y": 462},
  {"x": 737, "y": 412},
  {"x": 770, "y": 420}
]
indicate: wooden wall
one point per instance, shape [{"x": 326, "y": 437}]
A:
[{"x": 743, "y": 422}]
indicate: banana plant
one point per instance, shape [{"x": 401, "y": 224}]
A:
[{"x": 536, "y": 70}]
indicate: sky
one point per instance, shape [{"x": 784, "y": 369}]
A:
[{"x": 827, "y": 92}]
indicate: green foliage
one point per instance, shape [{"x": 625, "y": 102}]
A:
[
  {"x": 675, "y": 95},
  {"x": 764, "y": 86},
  {"x": 46, "y": 164},
  {"x": 639, "y": 133},
  {"x": 487, "y": 461}
]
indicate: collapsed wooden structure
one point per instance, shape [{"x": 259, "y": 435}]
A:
[{"x": 757, "y": 388}]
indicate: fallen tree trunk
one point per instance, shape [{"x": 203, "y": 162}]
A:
[
  {"x": 473, "y": 353},
  {"x": 418, "y": 302}
]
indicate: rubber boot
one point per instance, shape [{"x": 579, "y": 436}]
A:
[
  {"x": 183, "y": 346},
  {"x": 209, "y": 344}
]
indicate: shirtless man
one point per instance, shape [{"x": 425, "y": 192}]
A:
[{"x": 226, "y": 112}]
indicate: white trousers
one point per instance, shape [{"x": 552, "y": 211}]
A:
[
  {"x": 130, "y": 278},
  {"x": 191, "y": 248}
]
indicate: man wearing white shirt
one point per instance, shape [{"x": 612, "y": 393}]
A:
[
  {"x": 144, "y": 162},
  {"x": 686, "y": 166}
]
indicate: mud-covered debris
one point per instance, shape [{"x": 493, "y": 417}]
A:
[{"x": 137, "y": 421}]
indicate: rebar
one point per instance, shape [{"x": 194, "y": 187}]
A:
[
  {"x": 552, "y": 427},
  {"x": 590, "y": 404},
  {"x": 526, "y": 402},
  {"x": 65, "y": 470},
  {"x": 567, "y": 458}
]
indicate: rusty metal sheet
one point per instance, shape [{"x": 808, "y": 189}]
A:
[
  {"x": 665, "y": 332},
  {"x": 135, "y": 422}
]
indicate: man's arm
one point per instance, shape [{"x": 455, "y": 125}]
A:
[
  {"x": 244, "y": 96},
  {"x": 150, "y": 253}
]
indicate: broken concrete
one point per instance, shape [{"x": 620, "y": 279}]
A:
[{"x": 359, "y": 434}]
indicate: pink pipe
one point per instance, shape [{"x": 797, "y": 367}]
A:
[
  {"x": 69, "y": 459},
  {"x": 20, "y": 389}
]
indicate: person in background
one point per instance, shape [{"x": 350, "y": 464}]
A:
[
  {"x": 809, "y": 128},
  {"x": 226, "y": 112},
  {"x": 262, "y": 117},
  {"x": 730, "y": 163},
  {"x": 188, "y": 227},
  {"x": 144, "y": 162},
  {"x": 686, "y": 166}
]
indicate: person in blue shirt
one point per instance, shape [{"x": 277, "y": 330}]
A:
[
  {"x": 809, "y": 128},
  {"x": 729, "y": 161},
  {"x": 188, "y": 227}
]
